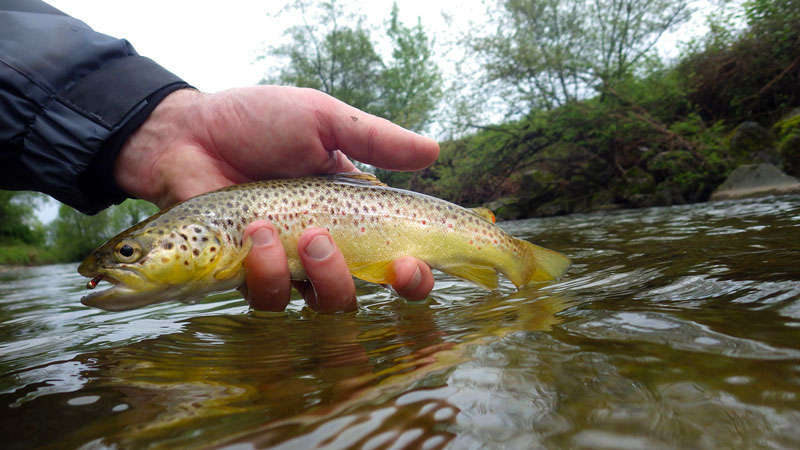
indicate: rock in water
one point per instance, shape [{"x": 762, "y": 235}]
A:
[{"x": 756, "y": 180}]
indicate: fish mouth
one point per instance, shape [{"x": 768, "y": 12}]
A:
[{"x": 121, "y": 295}]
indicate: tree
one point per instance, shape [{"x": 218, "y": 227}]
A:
[
  {"x": 547, "y": 53},
  {"x": 75, "y": 234},
  {"x": 17, "y": 220},
  {"x": 341, "y": 60},
  {"x": 410, "y": 83}
]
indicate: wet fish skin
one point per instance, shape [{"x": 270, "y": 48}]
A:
[{"x": 197, "y": 246}]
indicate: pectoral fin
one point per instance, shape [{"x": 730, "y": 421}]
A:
[
  {"x": 233, "y": 266},
  {"x": 380, "y": 272}
]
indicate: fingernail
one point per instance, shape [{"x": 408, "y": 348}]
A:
[
  {"x": 263, "y": 237},
  {"x": 415, "y": 279},
  {"x": 320, "y": 247}
]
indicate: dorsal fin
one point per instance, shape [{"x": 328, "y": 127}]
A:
[
  {"x": 357, "y": 178},
  {"x": 484, "y": 213}
]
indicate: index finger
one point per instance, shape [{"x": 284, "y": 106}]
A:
[{"x": 371, "y": 139}]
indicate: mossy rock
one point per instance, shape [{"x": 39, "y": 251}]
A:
[
  {"x": 788, "y": 125},
  {"x": 553, "y": 208},
  {"x": 638, "y": 181},
  {"x": 669, "y": 193},
  {"x": 637, "y": 188},
  {"x": 603, "y": 200},
  {"x": 750, "y": 141},
  {"x": 508, "y": 208},
  {"x": 789, "y": 148}
]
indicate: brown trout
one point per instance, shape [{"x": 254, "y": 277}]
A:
[{"x": 196, "y": 247}]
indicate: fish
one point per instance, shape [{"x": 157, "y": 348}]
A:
[{"x": 197, "y": 247}]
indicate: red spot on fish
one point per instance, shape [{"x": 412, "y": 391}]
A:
[{"x": 363, "y": 229}]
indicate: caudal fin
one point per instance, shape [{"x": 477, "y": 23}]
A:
[{"x": 538, "y": 264}]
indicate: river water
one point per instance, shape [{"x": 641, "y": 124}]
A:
[{"x": 675, "y": 327}]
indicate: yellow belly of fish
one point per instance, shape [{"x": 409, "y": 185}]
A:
[{"x": 370, "y": 250}]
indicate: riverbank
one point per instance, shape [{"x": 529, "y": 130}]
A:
[
  {"x": 666, "y": 134},
  {"x": 26, "y": 255}
]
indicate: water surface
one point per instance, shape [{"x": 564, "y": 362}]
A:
[{"x": 675, "y": 327}]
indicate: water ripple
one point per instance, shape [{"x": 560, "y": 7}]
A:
[{"x": 675, "y": 327}]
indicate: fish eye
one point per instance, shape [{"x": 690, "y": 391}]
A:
[{"x": 127, "y": 251}]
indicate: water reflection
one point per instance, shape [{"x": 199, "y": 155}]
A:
[
  {"x": 298, "y": 380},
  {"x": 676, "y": 327}
]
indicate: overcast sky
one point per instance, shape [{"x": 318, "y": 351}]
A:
[{"x": 214, "y": 45}]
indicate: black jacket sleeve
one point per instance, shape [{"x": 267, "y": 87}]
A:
[{"x": 69, "y": 98}]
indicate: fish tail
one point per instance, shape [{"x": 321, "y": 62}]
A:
[{"x": 537, "y": 264}]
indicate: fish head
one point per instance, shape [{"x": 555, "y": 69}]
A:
[{"x": 159, "y": 261}]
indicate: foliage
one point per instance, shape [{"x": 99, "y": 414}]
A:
[
  {"x": 650, "y": 135},
  {"x": 342, "y": 61},
  {"x": 75, "y": 234},
  {"x": 788, "y": 132},
  {"x": 548, "y": 53},
  {"x": 639, "y": 144},
  {"x": 17, "y": 221},
  {"x": 752, "y": 75},
  {"x": 26, "y": 254},
  {"x": 410, "y": 83}
]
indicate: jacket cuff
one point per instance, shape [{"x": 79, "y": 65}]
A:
[
  {"x": 98, "y": 183},
  {"x": 119, "y": 97}
]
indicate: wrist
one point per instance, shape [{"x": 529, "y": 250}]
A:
[{"x": 136, "y": 166}]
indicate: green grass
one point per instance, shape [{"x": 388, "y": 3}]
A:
[{"x": 25, "y": 254}]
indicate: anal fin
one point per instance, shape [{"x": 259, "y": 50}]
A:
[{"x": 483, "y": 275}]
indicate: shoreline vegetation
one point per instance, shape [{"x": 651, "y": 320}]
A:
[
  {"x": 628, "y": 135},
  {"x": 662, "y": 134}
]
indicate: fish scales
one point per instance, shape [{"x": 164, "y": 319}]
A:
[
  {"x": 385, "y": 219},
  {"x": 201, "y": 240}
]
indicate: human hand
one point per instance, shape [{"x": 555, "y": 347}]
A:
[{"x": 195, "y": 142}]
